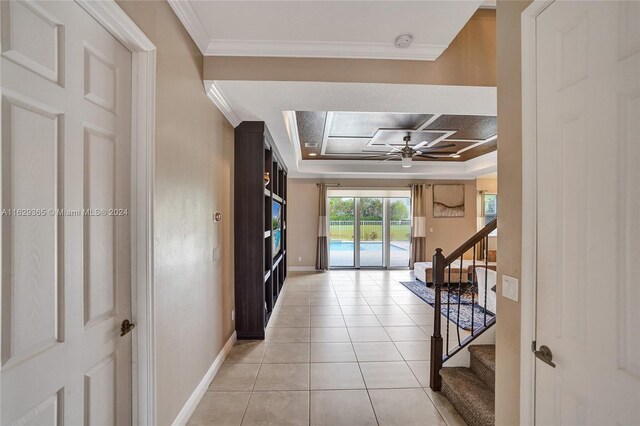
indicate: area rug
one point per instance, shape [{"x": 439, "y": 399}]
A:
[{"x": 467, "y": 310}]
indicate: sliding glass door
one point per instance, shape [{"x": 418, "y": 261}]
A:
[
  {"x": 371, "y": 235},
  {"x": 342, "y": 225},
  {"x": 399, "y": 231},
  {"x": 369, "y": 232}
]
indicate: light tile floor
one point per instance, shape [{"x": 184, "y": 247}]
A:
[{"x": 342, "y": 348}]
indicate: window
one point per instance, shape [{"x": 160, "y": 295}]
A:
[{"x": 490, "y": 207}]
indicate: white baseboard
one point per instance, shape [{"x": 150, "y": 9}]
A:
[
  {"x": 193, "y": 401},
  {"x": 301, "y": 268}
]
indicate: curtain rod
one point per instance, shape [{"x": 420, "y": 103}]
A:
[{"x": 328, "y": 184}]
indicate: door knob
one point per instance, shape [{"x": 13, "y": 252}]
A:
[
  {"x": 544, "y": 354},
  {"x": 126, "y": 327}
]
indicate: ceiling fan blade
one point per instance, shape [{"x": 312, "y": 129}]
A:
[
  {"x": 441, "y": 154},
  {"x": 434, "y": 148},
  {"x": 421, "y": 144},
  {"x": 392, "y": 147},
  {"x": 387, "y": 159},
  {"x": 431, "y": 157}
]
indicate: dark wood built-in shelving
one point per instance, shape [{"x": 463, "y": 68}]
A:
[{"x": 259, "y": 273}]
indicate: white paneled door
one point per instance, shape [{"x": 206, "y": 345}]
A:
[
  {"x": 66, "y": 161},
  {"x": 588, "y": 198}
]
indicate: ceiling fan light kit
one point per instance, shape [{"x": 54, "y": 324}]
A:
[{"x": 423, "y": 149}]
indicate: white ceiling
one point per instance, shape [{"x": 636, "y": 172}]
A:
[
  {"x": 325, "y": 29},
  {"x": 275, "y": 101}
]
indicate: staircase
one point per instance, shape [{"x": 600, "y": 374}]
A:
[{"x": 471, "y": 389}]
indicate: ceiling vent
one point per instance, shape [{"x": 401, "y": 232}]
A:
[
  {"x": 404, "y": 41},
  {"x": 310, "y": 145}
]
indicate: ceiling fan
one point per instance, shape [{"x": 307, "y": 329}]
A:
[{"x": 407, "y": 153}]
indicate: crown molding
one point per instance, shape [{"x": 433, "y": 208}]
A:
[
  {"x": 218, "y": 99},
  {"x": 314, "y": 49},
  {"x": 190, "y": 20}
]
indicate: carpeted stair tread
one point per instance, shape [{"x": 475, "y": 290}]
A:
[
  {"x": 470, "y": 396},
  {"x": 485, "y": 354}
]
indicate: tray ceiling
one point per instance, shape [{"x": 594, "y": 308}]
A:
[
  {"x": 367, "y": 135},
  {"x": 325, "y": 29},
  {"x": 397, "y": 106}
]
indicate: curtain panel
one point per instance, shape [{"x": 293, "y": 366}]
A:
[
  {"x": 419, "y": 224},
  {"x": 322, "y": 246}
]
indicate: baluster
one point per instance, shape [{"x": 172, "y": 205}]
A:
[
  {"x": 473, "y": 283},
  {"x": 459, "y": 297},
  {"x": 486, "y": 276},
  {"x": 435, "y": 381},
  {"x": 448, "y": 305}
]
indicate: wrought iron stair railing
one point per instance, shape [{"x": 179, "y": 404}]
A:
[{"x": 443, "y": 348}]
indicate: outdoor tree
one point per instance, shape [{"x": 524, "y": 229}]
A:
[
  {"x": 371, "y": 208},
  {"x": 399, "y": 210},
  {"x": 341, "y": 208}
]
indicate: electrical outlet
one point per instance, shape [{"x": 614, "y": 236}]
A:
[
  {"x": 430, "y": 229},
  {"x": 233, "y": 315},
  {"x": 299, "y": 259}
]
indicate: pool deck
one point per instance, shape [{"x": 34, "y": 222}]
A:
[{"x": 344, "y": 258}]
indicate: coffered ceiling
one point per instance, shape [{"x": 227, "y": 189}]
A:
[
  {"x": 296, "y": 114},
  {"x": 336, "y": 135},
  {"x": 324, "y": 29}
]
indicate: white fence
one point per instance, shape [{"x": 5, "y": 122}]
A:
[{"x": 370, "y": 230}]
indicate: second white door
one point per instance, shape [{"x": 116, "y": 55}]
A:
[{"x": 588, "y": 197}]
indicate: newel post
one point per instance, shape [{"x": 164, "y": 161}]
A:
[{"x": 435, "y": 382}]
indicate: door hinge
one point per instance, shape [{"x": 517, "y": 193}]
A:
[{"x": 533, "y": 346}]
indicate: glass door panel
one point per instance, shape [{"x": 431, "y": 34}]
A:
[
  {"x": 399, "y": 231},
  {"x": 342, "y": 214},
  {"x": 371, "y": 235}
]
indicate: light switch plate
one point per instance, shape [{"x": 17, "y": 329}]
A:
[{"x": 510, "y": 287}]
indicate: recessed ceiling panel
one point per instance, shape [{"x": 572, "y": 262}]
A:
[
  {"x": 310, "y": 129},
  {"x": 363, "y": 135},
  {"x": 366, "y": 124},
  {"x": 457, "y": 145},
  {"x": 475, "y": 127},
  {"x": 347, "y": 146}
]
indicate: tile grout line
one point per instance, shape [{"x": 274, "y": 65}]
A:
[{"x": 309, "y": 375}]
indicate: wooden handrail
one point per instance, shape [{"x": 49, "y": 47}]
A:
[
  {"x": 489, "y": 228},
  {"x": 438, "y": 265}
]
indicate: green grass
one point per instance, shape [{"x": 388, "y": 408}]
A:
[{"x": 369, "y": 232}]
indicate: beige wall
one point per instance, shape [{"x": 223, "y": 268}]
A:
[
  {"x": 510, "y": 209},
  {"x": 470, "y": 60},
  {"x": 489, "y": 184},
  {"x": 194, "y": 158},
  {"x": 302, "y": 222}
]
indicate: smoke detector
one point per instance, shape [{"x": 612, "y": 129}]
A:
[{"x": 403, "y": 41}]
